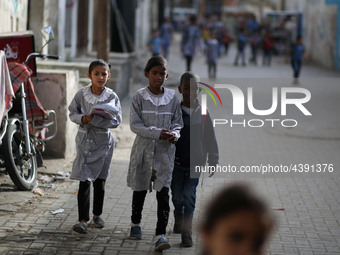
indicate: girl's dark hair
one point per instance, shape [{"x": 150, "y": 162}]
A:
[
  {"x": 99, "y": 62},
  {"x": 187, "y": 76},
  {"x": 155, "y": 61},
  {"x": 234, "y": 199}
]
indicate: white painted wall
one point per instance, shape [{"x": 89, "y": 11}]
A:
[
  {"x": 319, "y": 29},
  {"x": 143, "y": 23},
  {"x": 13, "y": 15}
]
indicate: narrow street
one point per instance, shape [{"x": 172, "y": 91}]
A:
[{"x": 306, "y": 207}]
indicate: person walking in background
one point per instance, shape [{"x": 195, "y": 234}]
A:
[
  {"x": 156, "y": 119},
  {"x": 94, "y": 142},
  {"x": 297, "y": 55},
  {"x": 253, "y": 25},
  {"x": 190, "y": 39},
  {"x": 226, "y": 40},
  {"x": 205, "y": 35},
  {"x": 212, "y": 52},
  {"x": 219, "y": 35},
  {"x": 236, "y": 222},
  {"x": 255, "y": 42},
  {"x": 190, "y": 153},
  {"x": 155, "y": 43},
  {"x": 241, "y": 45},
  {"x": 268, "y": 44},
  {"x": 165, "y": 33}
]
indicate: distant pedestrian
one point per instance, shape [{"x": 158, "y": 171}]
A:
[
  {"x": 219, "y": 35},
  {"x": 155, "y": 43},
  {"x": 94, "y": 141},
  {"x": 241, "y": 46},
  {"x": 156, "y": 119},
  {"x": 268, "y": 45},
  {"x": 212, "y": 52},
  {"x": 205, "y": 34},
  {"x": 253, "y": 25},
  {"x": 190, "y": 40},
  {"x": 255, "y": 42},
  {"x": 226, "y": 40},
  {"x": 236, "y": 222},
  {"x": 297, "y": 55},
  {"x": 190, "y": 152},
  {"x": 165, "y": 33}
]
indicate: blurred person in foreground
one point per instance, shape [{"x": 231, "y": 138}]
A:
[{"x": 236, "y": 222}]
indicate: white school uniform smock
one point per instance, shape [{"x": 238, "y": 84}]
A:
[
  {"x": 149, "y": 114},
  {"x": 94, "y": 141}
]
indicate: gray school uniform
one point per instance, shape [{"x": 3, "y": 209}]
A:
[
  {"x": 149, "y": 114},
  {"x": 94, "y": 141}
]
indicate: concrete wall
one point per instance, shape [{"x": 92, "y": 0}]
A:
[
  {"x": 319, "y": 29},
  {"x": 146, "y": 20},
  {"x": 55, "y": 90},
  {"x": 13, "y": 15},
  {"x": 45, "y": 13},
  {"x": 122, "y": 69}
]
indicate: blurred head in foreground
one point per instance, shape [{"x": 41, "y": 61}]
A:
[{"x": 236, "y": 222}]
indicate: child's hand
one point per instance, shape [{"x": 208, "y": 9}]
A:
[
  {"x": 172, "y": 139},
  {"x": 165, "y": 135},
  {"x": 86, "y": 118},
  {"x": 89, "y": 117}
]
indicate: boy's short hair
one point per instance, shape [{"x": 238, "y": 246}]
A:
[
  {"x": 187, "y": 76},
  {"x": 233, "y": 199}
]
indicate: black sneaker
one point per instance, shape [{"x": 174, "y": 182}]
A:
[
  {"x": 162, "y": 244},
  {"x": 136, "y": 233},
  {"x": 80, "y": 228},
  {"x": 98, "y": 222}
]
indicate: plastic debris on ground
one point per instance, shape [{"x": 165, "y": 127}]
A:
[
  {"x": 58, "y": 211},
  {"x": 45, "y": 178},
  {"x": 63, "y": 174},
  {"x": 38, "y": 192}
]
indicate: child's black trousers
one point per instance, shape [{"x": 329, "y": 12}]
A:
[
  {"x": 163, "y": 208},
  {"x": 84, "y": 198}
]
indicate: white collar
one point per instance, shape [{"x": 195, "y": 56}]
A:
[
  {"x": 93, "y": 98},
  {"x": 157, "y": 100}
]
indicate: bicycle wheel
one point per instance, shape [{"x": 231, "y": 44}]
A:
[{"x": 21, "y": 167}]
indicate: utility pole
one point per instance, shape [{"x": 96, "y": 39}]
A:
[
  {"x": 172, "y": 4},
  {"x": 283, "y": 5},
  {"x": 103, "y": 40}
]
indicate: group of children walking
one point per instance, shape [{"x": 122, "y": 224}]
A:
[{"x": 161, "y": 156}]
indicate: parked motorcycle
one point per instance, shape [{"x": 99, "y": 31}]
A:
[{"x": 24, "y": 127}]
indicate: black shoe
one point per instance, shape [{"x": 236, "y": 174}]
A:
[
  {"x": 178, "y": 224},
  {"x": 162, "y": 244},
  {"x": 135, "y": 233},
  {"x": 186, "y": 239},
  {"x": 80, "y": 227}
]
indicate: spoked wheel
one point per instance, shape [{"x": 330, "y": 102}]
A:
[{"x": 21, "y": 167}]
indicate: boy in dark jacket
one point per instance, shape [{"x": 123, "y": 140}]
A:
[{"x": 188, "y": 155}]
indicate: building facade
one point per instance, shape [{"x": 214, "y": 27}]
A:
[{"x": 321, "y": 28}]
